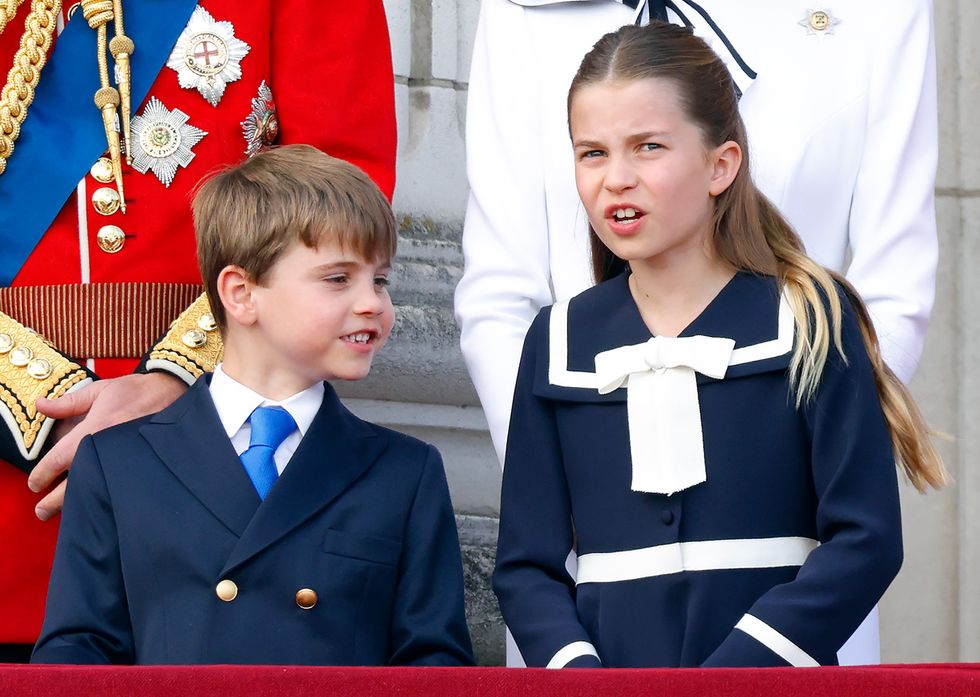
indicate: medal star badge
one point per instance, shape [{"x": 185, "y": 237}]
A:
[
  {"x": 163, "y": 140},
  {"x": 207, "y": 56},
  {"x": 819, "y": 22},
  {"x": 261, "y": 126}
]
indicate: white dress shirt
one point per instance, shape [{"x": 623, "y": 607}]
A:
[{"x": 235, "y": 403}]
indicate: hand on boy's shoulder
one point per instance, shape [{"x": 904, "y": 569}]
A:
[{"x": 103, "y": 404}]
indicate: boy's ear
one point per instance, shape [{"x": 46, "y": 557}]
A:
[
  {"x": 726, "y": 161},
  {"x": 235, "y": 288}
]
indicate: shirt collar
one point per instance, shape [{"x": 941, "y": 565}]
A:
[{"x": 235, "y": 402}]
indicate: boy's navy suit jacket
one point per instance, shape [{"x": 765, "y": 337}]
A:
[{"x": 160, "y": 510}]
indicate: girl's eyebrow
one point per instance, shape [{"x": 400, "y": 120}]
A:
[
  {"x": 649, "y": 135},
  {"x": 633, "y": 138}
]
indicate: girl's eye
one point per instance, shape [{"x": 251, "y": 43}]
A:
[
  {"x": 650, "y": 146},
  {"x": 590, "y": 154},
  {"x": 382, "y": 281}
]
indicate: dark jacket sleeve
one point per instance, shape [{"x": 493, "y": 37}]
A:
[
  {"x": 86, "y": 619},
  {"x": 806, "y": 621},
  {"x": 428, "y": 623},
  {"x": 536, "y": 592}
]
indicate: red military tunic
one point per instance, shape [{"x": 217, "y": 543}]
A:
[{"x": 328, "y": 66}]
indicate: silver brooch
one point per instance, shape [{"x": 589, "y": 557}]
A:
[
  {"x": 207, "y": 56},
  {"x": 162, "y": 140},
  {"x": 819, "y": 22},
  {"x": 261, "y": 126}
]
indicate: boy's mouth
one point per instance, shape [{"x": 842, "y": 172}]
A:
[{"x": 362, "y": 338}]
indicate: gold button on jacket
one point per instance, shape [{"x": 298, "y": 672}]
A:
[
  {"x": 306, "y": 598},
  {"x": 110, "y": 238},
  {"x": 106, "y": 201},
  {"x": 226, "y": 590}
]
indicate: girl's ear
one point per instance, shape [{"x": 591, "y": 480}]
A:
[
  {"x": 236, "y": 290},
  {"x": 726, "y": 160}
]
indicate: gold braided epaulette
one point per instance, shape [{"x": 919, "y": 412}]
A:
[
  {"x": 192, "y": 346},
  {"x": 30, "y": 368}
]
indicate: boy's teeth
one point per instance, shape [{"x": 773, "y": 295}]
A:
[{"x": 362, "y": 338}]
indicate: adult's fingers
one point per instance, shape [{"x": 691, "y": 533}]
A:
[
  {"x": 57, "y": 460},
  {"x": 51, "y": 505},
  {"x": 75, "y": 403}
]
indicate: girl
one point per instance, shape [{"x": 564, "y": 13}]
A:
[{"x": 712, "y": 426}]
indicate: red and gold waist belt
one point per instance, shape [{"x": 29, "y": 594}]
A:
[{"x": 99, "y": 320}]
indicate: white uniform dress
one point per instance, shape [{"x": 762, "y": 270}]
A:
[{"x": 842, "y": 137}]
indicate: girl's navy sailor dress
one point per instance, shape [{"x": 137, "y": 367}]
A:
[{"x": 715, "y": 522}]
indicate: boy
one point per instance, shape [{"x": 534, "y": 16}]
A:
[{"x": 256, "y": 520}]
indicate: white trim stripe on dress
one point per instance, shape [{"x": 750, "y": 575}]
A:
[
  {"x": 569, "y": 653},
  {"x": 776, "y": 642},
  {"x": 708, "y": 555}
]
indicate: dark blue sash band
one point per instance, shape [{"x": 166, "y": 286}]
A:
[{"x": 63, "y": 135}]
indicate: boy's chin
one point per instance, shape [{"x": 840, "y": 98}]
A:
[{"x": 350, "y": 374}]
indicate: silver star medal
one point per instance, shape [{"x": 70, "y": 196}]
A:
[
  {"x": 207, "y": 56},
  {"x": 819, "y": 22},
  {"x": 162, "y": 140}
]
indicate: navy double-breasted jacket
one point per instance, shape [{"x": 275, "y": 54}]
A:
[
  {"x": 160, "y": 516},
  {"x": 773, "y": 560}
]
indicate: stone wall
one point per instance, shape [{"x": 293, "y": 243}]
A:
[{"x": 420, "y": 385}]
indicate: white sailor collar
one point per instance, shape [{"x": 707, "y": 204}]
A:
[
  {"x": 750, "y": 310},
  {"x": 695, "y": 16}
]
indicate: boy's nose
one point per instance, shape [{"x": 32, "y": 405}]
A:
[{"x": 370, "y": 301}]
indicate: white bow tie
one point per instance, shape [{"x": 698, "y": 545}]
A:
[{"x": 666, "y": 441}]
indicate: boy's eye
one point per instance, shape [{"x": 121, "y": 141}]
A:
[
  {"x": 382, "y": 281},
  {"x": 650, "y": 146},
  {"x": 339, "y": 278},
  {"x": 590, "y": 154}
]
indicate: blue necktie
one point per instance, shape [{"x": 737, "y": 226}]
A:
[{"x": 270, "y": 426}]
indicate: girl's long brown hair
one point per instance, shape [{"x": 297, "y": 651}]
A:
[{"x": 751, "y": 234}]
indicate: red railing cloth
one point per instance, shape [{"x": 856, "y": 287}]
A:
[{"x": 949, "y": 680}]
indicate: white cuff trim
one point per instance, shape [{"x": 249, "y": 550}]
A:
[
  {"x": 776, "y": 642},
  {"x": 569, "y": 653},
  {"x": 172, "y": 368}
]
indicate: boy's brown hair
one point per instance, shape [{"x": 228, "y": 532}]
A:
[{"x": 247, "y": 215}]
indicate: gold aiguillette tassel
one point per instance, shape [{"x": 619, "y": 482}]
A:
[
  {"x": 107, "y": 99},
  {"x": 122, "y": 48}
]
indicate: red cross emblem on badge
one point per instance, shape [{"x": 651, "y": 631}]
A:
[{"x": 205, "y": 50}]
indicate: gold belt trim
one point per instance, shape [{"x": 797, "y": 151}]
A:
[{"x": 99, "y": 320}]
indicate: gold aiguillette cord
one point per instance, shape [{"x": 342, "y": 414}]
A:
[
  {"x": 98, "y": 13},
  {"x": 18, "y": 91}
]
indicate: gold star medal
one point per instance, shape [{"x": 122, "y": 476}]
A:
[
  {"x": 207, "y": 56},
  {"x": 819, "y": 22},
  {"x": 162, "y": 140},
  {"x": 261, "y": 126}
]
